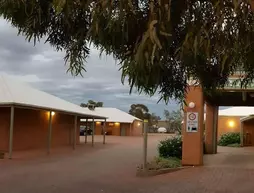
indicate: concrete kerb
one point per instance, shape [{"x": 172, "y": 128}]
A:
[{"x": 150, "y": 173}]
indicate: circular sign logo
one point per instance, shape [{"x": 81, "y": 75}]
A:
[{"x": 192, "y": 116}]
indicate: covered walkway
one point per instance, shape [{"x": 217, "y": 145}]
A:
[
  {"x": 31, "y": 119},
  {"x": 231, "y": 157}
]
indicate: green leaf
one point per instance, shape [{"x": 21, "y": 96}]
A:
[{"x": 59, "y": 5}]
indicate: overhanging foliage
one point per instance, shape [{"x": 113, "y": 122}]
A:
[{"x": 159, "y": 43}]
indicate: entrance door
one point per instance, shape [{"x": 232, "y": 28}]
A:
[{"x": 123, "y": 131}]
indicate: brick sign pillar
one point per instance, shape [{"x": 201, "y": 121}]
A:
[{"x": 192, "y": 153}]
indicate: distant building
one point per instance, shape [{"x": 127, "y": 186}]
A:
[
  {"x": 237, "y": 119},
  {"x": 118, "y": 123},
  {"x": 32, "y": 119}
]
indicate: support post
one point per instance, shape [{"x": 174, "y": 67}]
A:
[
  {"x": 145, "y": 145},
  {"x": 131, "y": 129},
  {"x": 49, "y": 132},
  {"x": 70, "y": 137},
  {"x": 209, "y": 128},
  {"x": 241, "y": 134},
  {"x": 104, "y": 131},
  {"x": 11, "y": 132},
  {"x": 93, "y": 132},
  {"x": 75, "y": 132},
  {"x": 86, "y": 131},
  {"x": 216, "y": 116}
]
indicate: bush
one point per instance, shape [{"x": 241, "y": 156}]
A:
[
  {"x": 229, "y": 139},
  {"x": 171, "y": 147},
  {"x": 234, "y": 145},
  {"x": 163, "y": 163}
]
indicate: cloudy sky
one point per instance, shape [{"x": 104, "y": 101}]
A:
[{"x": 44, "y": 68}]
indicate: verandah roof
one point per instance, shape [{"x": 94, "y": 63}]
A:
[
  {"x": 115, "y": 115},
  {"x": 13, "y": 92}
]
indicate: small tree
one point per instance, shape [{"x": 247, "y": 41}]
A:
[
  {"x": 92, "y": 102},
  {"x": 174, "y": 120},
  {"x": 153, "y": 122},
  {"x": 154, "y": 119},
  {"x": 140, "y": 111}
]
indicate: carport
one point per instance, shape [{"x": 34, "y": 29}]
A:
[
  {"x": 32, "y": 119},
  {"x": 119, "y": 123}
]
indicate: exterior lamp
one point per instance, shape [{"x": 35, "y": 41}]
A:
[
  {"x": 52, "y": 113},
  {"x": 138, "y": 124},
  {"x": 191, "y": 105},
  {"x": 231, "y": 124}
]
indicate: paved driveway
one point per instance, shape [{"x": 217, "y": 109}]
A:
[
  {"x": 110, "y": 168},
  {"x": 231, "y": 157}
]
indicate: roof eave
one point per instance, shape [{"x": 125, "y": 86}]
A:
[
  {"x": 246, "y": 118},
  {"x": 29, "y": 106}
]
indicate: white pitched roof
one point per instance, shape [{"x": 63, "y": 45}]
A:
[
  {"x": 13, "y": 92},
  {"x": 237, "y": 111},
  {"x": 115, "y": 115}
]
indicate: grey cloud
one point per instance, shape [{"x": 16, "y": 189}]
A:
[{"x": 44, "y": 68}]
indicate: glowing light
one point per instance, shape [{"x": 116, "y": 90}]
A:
[
  {"x": 52, "y": 113},
  {"x": 192, "y": 105},
  {"x": 117, "y": 123},
  {"x": 231, "y": 124},
  {"x": 138, "y": 124},
  {"x": 98, "y": 122}
]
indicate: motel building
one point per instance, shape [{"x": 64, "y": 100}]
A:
[
  {"x": 239, "y": 118},
  {"x": 34, "y": 120},
  {"x": 118, "y": 123}
]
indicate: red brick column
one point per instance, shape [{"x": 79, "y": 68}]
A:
[
  {"x": 216, "y": 119},
  {"x": 211, "y": 128},
  {"x": 193, "y": 141}
]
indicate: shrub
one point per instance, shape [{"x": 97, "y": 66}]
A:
[
  {"x": 229, "y": 139},
  {"x": 234, "y": 145},
  {"x": 162, "y": 163},
  {"x": 171, "y": 162},
  {"x": 171, "y": 147}
]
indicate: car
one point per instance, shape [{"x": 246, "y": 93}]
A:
[
  {"x": 162, "y": 130},
  {"x": 83, "y": 131}
]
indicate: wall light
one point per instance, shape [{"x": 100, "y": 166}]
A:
[
  {"x": 52, "y": 113},
  {"x": 116, "y": 123},
  {"x": 138, "y": 124},
  {"x": 231, "y": 124},
  {"x": 191, "y": 105},
  {"x": 98, "y": 122}
]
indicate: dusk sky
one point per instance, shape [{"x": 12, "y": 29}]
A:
[{"x": 44, "y": 68}]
